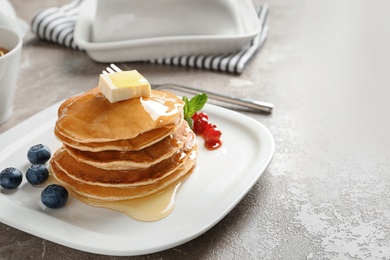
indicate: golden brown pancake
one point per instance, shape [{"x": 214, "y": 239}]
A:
[
  {"x": 141, "y": 141},
  {"x": 120, "y": 193},
  {"x": 123, "y": 150},
  {"x": 118, "y": 178},
  {"x": 90, "y": 117},
  {"x": 144, "y": 158}
]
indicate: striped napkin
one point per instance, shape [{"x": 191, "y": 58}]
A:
[{"x": 56, "y": 24}]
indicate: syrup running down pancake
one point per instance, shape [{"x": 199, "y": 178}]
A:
[
  {"x": 90, "y": 117},
  {"x": 124, "y": 150}
]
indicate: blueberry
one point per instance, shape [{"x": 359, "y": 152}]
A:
[
  {"x": 10, "y": 178},
  {"x": 38, "y": 154},
  {"x": 37, "y": 174},
  {"x": 54, "y": 196}
]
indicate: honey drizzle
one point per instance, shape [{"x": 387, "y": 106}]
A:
[{"x": 150, "y": 208}]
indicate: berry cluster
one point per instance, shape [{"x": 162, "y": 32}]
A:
[
  {"x": 54, "y": 195},
  {"x": 210, "y": 132}
]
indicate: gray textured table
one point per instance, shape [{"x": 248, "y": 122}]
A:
[{"x": 326, "y": 193}]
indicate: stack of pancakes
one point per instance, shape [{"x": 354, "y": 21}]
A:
[{"x": 123, "y": 150}]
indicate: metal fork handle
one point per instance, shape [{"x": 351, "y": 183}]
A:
[
  {"x": 249, "y": 103},
  {"x": 253, "y": 104}
]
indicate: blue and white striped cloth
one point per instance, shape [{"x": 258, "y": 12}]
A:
[{"x": 56, "y": 24}]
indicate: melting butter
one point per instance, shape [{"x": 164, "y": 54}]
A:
[{"x": 123, "y": 85}]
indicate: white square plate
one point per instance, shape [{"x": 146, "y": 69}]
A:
[{"x": 220, "y": 180}]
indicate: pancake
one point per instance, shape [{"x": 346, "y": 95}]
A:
[
  {"x": 141, "y": 141},
  {"x": 118, "y": 178},
  {"x": 123, "y": 150},
  {"x": 90, "y": 117},
  {"x": 119, "y": 160},
  {"x": 119, "y": 193}
]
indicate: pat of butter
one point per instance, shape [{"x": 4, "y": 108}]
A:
[{"x": 123, "y": 85}]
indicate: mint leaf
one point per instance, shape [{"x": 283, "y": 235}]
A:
[
  {"x": 197, "y": 102},
  {"x": 193, "y": 105},
  {"x": 189, "y": 121},
  {"x": 186, "y": 106}
]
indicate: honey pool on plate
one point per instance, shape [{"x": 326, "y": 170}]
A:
[{"x": 150, "y": 208}]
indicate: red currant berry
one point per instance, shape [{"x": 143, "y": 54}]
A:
[
  {"x": 209, "y": 125},
  {"x": 212, "y": 134},
  {"x": 213, "y": 146},
  {"x": 203, "y": 115},
  {"x": 199, "y": 126},
  {"x": 195, "y": 116}
]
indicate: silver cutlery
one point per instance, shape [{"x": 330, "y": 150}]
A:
[{"x": 245, "y": 102}]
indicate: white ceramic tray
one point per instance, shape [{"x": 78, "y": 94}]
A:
[
  {"x": 220, "y": 180},
  {"x": 172, "y": 43}
]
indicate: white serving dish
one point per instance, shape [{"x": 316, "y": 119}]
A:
[
  {"x": 210, "y": 27},
  {"x": 219, "y": 181}
]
